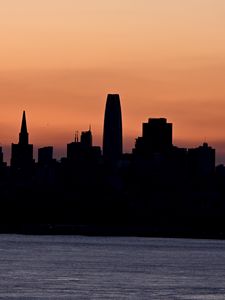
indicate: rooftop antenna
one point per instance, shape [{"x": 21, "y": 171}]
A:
[{"x": 76, "y": 136}]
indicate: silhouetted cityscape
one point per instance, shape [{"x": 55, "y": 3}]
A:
[{"x": 158, "y": 189}]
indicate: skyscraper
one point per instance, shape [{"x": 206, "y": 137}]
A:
[
  {"x": 24, "y": 136},
  {"x": 158, "y": 134},
  {"x": 83, "y": 150},
  {"x": 201, "y": 160},
  {"x": 157, "y": 137},
  {"x": 22, "y": 153},
  {"x": 112, "y": 135},
  {"x": 45, "y": 155},
  {"x": 86, "y": 138}
]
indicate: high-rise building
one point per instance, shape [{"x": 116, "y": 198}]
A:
[
  {"x": 23, "y": 135},
  {"x": 86, "y": 138},
  {"x": 80, "y": 151},
  {"x": 22, "y": 153},
  {"x": 201, "y": 160},
  {"x": 158, "y": 134},
  {"x": 45, "y": 155},
  {"x": 112, "y": 135},
  {"x": 157, "y": 137}
]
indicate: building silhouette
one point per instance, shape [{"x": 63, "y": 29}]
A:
[
  {"x": 157, "y": 137},
  {"x": 1, "y": 157},
  {"x": 158, "y": 189},
  {"x": 82, "y": 150},
  {"x": 45, "y": 155},
  {"x": 201, "y": 160},
  {"x": 86, "y": 138},
  {"x": 112, "y": 135},
  {"x": 22, "y": 153}
]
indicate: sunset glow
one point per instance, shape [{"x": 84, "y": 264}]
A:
[{"x": 60, "y": 58}]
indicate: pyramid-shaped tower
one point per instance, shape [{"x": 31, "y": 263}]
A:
[{"x": 22, "y": 153}]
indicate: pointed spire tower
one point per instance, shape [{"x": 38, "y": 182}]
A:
[
  {"x": 22, "y": 153},
  {"x": 24, "y": 136}
]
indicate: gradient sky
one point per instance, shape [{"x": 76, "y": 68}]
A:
[{"x": 60, "y": 58}]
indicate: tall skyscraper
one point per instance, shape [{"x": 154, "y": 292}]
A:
[
  {"x": 22, "y": 153},
  {"x": 112, "y": 135},
  {"x": 24, "y": 136}
]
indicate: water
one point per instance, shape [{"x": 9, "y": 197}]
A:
[{"x": 74, "y": 267}]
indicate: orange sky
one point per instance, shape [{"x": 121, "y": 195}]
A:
[{"x": 60, "y": 58}]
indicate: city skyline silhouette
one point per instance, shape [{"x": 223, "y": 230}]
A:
[
  {"x": 58, "y": 68},
  {"x": 158, "y": 188},
  {"x": 23, "y": 135}
]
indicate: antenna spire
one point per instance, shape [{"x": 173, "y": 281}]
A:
[{"x": 23, "y": 136}]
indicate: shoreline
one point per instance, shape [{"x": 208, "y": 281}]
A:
[{"x": 108, "y": 231}]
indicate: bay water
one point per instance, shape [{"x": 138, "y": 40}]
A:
[{"x": 79, "y": 267}]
